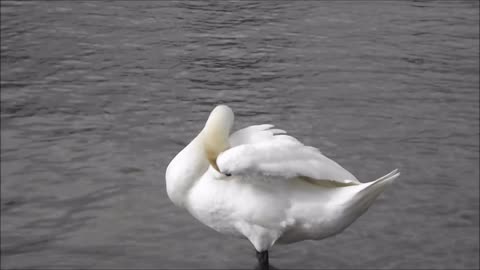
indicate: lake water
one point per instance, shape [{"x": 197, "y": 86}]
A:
[{"x": 97, "y": 97}]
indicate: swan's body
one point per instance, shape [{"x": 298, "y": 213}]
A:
[{"x": 266, "y": 187}]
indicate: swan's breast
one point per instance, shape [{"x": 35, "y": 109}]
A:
[{"x": 222, "y": 204}]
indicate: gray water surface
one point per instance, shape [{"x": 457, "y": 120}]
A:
[{"x": 97, "y": 97}]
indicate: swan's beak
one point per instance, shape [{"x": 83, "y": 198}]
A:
[
  {"x": 213, "y": 161},
  {"x": 214, "y": 146}
]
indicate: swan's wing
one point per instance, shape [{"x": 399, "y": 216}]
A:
[
  {"x": 260, "y": 150},
  {"x": 254, "y": 134}
]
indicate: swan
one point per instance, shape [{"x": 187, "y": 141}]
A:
[{"x": 261, "y": 184}]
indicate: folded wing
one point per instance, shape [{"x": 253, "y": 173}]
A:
[{"x": 261, "y": 150}]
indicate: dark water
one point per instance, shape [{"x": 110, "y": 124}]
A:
[{"x": 97, "y": 97}]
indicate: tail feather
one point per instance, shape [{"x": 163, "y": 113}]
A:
[
  {"x": 366, "y": 196},
  {"x": 356, "y": 199}
]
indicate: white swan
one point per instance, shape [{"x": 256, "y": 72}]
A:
[{"x": 263, "y": 185}]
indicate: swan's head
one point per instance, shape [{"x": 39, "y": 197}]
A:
[{"x": 216, "y": 132}]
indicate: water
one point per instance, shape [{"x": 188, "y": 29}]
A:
[{"x": 98, "y": 96}]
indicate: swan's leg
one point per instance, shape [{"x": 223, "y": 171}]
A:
[{"x": 262, "y": 258}]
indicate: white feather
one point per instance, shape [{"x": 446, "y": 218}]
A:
[
  {"x": 279, "y": 191},
  {"x": 257, "y": 150}
]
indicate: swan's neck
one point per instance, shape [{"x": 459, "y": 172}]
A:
[
  {"x": 187, "y": 167},
  {"x": 193, "y": 161}
]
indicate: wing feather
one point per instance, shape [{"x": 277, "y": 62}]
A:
[
  {"x": 254, "y": 134},
  {"x": 261, "y": 150}
]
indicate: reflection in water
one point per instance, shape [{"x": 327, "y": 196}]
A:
[{"x": 96, "y": 99}]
